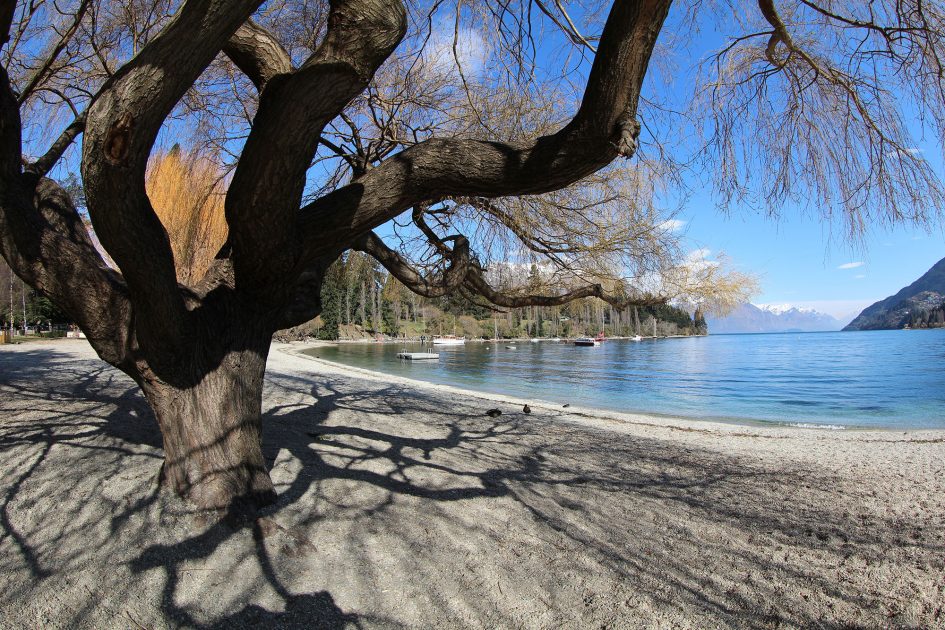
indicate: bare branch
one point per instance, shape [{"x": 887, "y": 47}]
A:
[
  {"x": 475, "y": 282},
  {"x": 826, "y": 113},
  {"x": 603, "y": 128},
  {"x": 41, "y": 72},
  {"x": 780, "y": 34},
  {"x": 44, "y": 164},
  {"x": 567, "y": 26},
  {"x": 452, "y": 278}
]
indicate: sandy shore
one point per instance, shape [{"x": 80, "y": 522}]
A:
[{"x": 403, "y": 505}]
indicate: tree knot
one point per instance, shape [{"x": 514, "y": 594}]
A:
[
  {"x": 628, "y": 130},
  {"x": 118, "y": 140}
]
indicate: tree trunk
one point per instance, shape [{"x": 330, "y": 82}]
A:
[{"x": 212, "y": 433}]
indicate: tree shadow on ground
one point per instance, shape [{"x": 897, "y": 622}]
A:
[{"x": 401, "y": 505}]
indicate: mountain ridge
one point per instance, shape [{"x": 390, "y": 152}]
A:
[
  {"x": 921, "y": 304},
  {"x": 761, "y": 318}
]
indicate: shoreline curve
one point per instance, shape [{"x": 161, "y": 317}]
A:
[{"x": 605, "y": 418}]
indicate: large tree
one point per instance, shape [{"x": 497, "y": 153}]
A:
[{"x": 341, "y": 118}]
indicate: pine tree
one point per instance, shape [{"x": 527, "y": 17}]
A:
[
  {"x": 702, "y": 328},
  {"x": 331, "y": 301}
]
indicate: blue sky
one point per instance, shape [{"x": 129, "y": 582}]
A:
[
  {"x": 800, "y": 261},
  {"x": 801, "y": 258}
]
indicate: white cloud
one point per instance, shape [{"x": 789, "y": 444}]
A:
[
  {"x": 697, "y": 261},
  {"x": 698, "y": 255},
  {"x": 860, "y": 276},
  {"x": 851, "y": 265},
  {"x": 672, "y": 225},
  {"x": 471, "y": 51}
]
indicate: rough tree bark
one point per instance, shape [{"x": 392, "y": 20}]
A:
[
  {"x": 212, "y": 429},
  {"x": 199, "y": 353}
]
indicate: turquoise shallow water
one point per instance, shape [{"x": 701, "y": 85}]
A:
[{"x": 881, "y": 379}]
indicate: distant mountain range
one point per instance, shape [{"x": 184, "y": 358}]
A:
[
  {"x": 762, "y": 318},
  {"x": 919, "y": 305}
]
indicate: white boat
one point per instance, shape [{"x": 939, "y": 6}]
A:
[
  {"x": 418, "y": 356},
  {"x": 448, "y": 340},
  {"x": 636, "y": 338}
]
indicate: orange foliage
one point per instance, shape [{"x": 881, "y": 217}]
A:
[{"x": 187, "y": 192}]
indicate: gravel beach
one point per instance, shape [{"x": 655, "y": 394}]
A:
[{"x": 403, "y": 504}]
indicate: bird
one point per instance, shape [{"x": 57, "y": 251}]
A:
[
  {"x": 566, "y": 405},
  {"x": 494, "y": 413},
  {"x": 526, "y": 409}
]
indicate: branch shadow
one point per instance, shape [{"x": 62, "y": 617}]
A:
[{"x": 399, "y": 507}]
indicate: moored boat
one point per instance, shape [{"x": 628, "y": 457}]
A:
[
  {"x": 448, "y": 340},
  {"x": 589, "y": 341}
]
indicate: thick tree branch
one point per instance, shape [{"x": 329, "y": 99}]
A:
[
  {"x": 476, "y": 282},
  {"x": 258, "y": 54},
  {"x": 603, "y": 129},
  {"x": 122, "y": 125},
  {"x": 780, "y": 34},
  {"x": 263, "y": 199},
  {"x": 59, "y": 259},
  {"x": 452, "y": 278},
  {"x": 7, "y": 9},
  {"x": 45, "y": 242},
  {"x": 473, "y": 277}
]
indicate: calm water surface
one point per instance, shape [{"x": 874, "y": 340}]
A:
[{"x": 889, "y": 379}]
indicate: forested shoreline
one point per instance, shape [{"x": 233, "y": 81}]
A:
[{"x": 360, "y": 300}]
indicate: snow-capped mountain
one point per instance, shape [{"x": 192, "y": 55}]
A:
[
  {"x": 781, "y": 309},
  {"x": 757, "y": 318}
]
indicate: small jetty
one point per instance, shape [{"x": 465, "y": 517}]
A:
[{"x": 418, "y": 356}]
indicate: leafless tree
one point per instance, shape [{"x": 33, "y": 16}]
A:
[{"x": 802, "y": 99}]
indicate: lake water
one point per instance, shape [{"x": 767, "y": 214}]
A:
[{"x": 888, "y": 379}]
